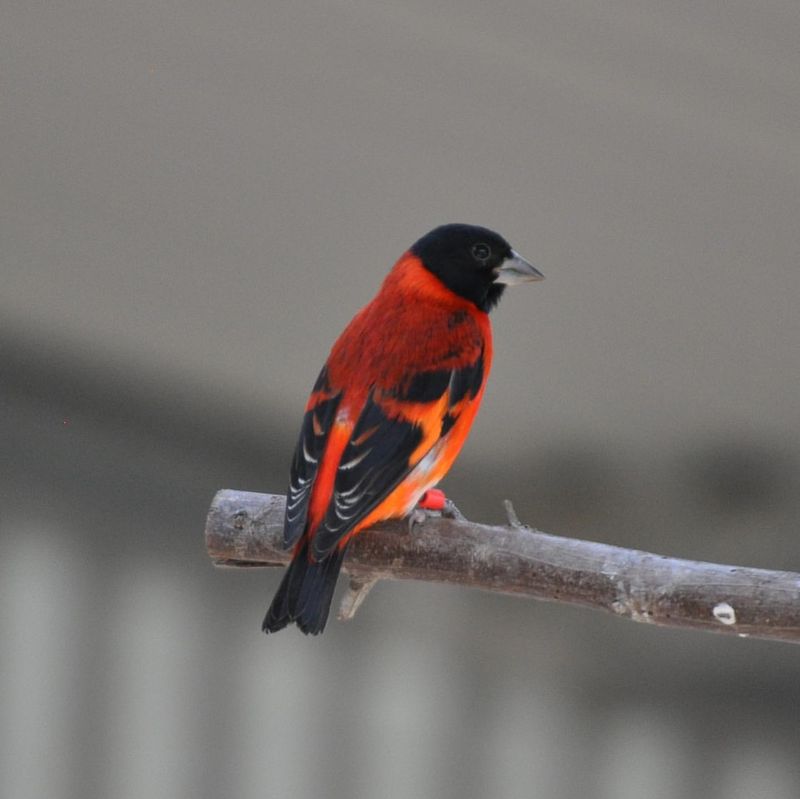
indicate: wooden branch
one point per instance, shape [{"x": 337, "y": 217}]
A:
[{"x": 245, "y": 529}]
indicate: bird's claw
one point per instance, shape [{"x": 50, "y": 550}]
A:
[
  {"x": 450, "y": 511},
  {"x": 434, "y": 504},
  {"x": 417, "y": 516}
]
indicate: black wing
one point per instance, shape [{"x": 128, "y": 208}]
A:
[
  {"x": 310, "y": 447},
  {"x": 374, "y": 461}
]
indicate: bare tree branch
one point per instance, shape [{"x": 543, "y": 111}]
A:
[{"x": 245, "y": 529}]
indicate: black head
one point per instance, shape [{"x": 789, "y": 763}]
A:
[{"x": 474, "y": 262}]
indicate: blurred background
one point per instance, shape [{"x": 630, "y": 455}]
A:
[{"x": 196, "y": 197}]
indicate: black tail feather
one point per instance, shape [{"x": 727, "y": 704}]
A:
[{"x": 305, "y": 593}]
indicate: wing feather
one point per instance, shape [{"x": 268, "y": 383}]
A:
[
  {"x": 317, "y": 421},
  {"x": 370, "y": 467},
  {"x": 385, "y": 444}
]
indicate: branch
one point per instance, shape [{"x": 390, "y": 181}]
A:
[{"x": 245, "y": 529}]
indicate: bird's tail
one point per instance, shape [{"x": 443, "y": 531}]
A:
[{"x": 305, "y": 593}]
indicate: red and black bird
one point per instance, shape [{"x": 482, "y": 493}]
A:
[{"x": 392, "y": 406}]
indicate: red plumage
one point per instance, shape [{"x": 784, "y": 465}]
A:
[{"x": 389, "y": 413}]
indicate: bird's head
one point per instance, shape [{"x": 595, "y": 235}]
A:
[{"x": 474, "y": 262}]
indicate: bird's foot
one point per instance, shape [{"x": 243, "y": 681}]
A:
[
  {"x": 450, "y": 511},
  {"x": 433, "y": 503},
  {"x": 417, "y": 516}
]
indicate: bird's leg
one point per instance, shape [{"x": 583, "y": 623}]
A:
[{"x": 433, "y": 503}]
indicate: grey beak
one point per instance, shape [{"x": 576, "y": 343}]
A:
[{"x": 515, "y": 269}]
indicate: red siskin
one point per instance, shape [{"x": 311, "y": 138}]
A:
[{"x": 392, "y": 406}]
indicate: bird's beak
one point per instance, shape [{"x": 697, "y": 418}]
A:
[{"x": 515, "y": 269}]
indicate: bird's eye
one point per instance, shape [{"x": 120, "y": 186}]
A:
[{"x": 481, "y": 252}]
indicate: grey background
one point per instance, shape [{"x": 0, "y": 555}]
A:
[{"x": 196, "y": 197}]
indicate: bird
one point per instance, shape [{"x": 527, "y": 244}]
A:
[{"x": 391, "y": 407}]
